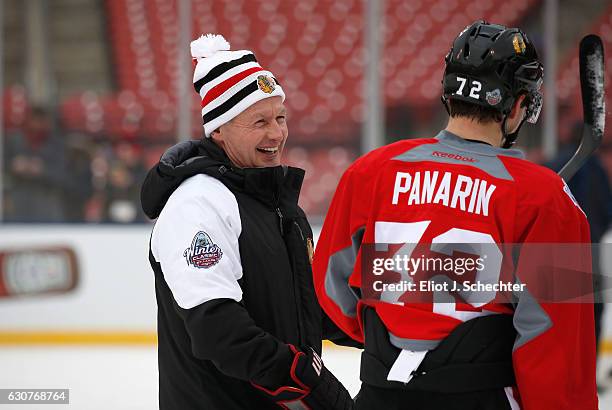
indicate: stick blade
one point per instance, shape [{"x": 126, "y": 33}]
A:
[
  {"x": 591, "y": 57},
  {"x": 592, "y": 84}
]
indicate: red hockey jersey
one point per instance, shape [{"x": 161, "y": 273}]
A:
[{"x": 450, "y": 190}]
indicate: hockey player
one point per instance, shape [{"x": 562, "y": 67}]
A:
[
  {"x": 239, "y": 326},
  {"x": 462, "y": 191}
]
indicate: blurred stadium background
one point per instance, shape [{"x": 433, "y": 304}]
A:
[{"x": 93, "y": 91}]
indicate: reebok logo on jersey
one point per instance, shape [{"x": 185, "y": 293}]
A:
[
  {"x": 203, "y": 252},
  {"x": 453, "y": 156}
]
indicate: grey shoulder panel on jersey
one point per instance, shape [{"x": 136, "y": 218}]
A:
[
  {"x": 452, "y": 149},
  {"x": 530, "y": 320},
  {"x": 339, "y": 269}
]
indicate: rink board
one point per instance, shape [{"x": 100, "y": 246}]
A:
[{"x": 114, "y": 301}]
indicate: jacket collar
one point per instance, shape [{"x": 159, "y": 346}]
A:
[{"x": 276, "y": 187}]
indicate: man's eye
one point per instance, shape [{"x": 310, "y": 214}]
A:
[
  {"x": 259, "y": 123},
  {"x": 281, "y": 118}
]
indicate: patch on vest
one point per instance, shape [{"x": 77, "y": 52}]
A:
[{"x": 203, "y": 252}]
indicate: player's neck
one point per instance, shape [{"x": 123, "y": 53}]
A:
[{"x": 474, "y": 130}]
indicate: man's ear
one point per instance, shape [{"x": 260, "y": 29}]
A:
[
  {"x": 516, "y": 108},
  {"x": 216, "y": 135}
]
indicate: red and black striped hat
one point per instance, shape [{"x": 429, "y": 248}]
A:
[{"x": 228, "y": 81}]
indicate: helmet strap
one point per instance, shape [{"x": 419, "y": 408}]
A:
[
  {"x": 445, "y": 103},
  {"x": 508, "y": 140}
]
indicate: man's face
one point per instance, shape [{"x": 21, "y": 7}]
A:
[{"x": 257, "y": 136}]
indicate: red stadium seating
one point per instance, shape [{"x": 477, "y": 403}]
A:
[
  {"x": 324, "y": 167},
  {"x": 314, "y": 47},
  {"x": 15, "y": 107}
]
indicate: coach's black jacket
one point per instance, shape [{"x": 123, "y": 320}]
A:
[{"x": 209, "y": 354}]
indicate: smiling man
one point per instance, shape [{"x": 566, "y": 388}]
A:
[
  {"x": 239, "y": 326},
  {"x": 257, "y": 136}
]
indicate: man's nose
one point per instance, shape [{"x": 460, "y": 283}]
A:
[{"x": 275, "y": 131}]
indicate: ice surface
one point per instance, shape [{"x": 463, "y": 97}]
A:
[{"x": 125, "y": 378}]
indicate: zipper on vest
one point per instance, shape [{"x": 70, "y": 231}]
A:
[
  {"x": 297, "y": 225},
  {"x": 296, "y": 288},
  {"x": 280, "y": 220}
]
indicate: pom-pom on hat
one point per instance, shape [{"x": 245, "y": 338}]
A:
[{"x": 228, "y": 81}]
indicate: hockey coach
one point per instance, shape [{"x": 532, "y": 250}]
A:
[{"x": 239, "y": 326}]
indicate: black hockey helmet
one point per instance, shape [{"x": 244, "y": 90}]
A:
[{"x": 491, "y": 65}]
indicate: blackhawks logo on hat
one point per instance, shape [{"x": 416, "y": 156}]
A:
[
  {"x": 266, "y": 84},
  {"x": 203, "y": 252}
]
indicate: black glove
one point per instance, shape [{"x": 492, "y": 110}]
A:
[{"x": 310, "y": 386}]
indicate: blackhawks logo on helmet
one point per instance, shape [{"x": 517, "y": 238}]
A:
[
  {"x": 519, "y": 44},
  {"x": 203, "y": 252},
  {"x": 266, "y": 84}
]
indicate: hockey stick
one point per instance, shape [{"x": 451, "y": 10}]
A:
[{"x": 591, "y": 59}]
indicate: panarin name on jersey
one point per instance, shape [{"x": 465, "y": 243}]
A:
[{"x": 433, "y": 187}]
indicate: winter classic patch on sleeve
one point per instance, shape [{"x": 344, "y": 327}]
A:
[{"x": 203, "y": 252}]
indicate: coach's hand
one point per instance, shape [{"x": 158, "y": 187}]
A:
[{"x": 309, "y": 385}]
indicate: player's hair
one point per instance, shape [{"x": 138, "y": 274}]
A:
[{"x": 475, "y": 112}]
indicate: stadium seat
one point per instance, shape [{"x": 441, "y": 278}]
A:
[{"x": 15, "y": 106}]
